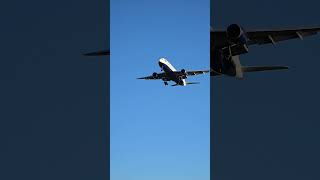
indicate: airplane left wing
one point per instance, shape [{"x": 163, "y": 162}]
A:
[
  {"x": 273, "y": 36},
  {"x": 184, "y": 73},
  {"x": 260, "y": 37},
  {"x": 192, "y": 73},
  {"x": 154, "y": 76}
]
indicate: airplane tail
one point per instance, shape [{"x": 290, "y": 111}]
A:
[{"x": 263, "y": 68}]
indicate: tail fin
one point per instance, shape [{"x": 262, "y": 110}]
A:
[{"x": 263, "y": 68}]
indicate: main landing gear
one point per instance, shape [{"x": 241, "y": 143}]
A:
[{"x": 165, "y": 83}]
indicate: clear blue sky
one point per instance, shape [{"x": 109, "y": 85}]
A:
[{"x": 159, "y": 132}]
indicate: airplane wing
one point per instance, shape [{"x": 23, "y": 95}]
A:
[
  {"x": 98, "y": 53},
  {"x": 152, "y": 77},
  {"x": 192, "y": 73},
  {"x": 266, "y": 36}
]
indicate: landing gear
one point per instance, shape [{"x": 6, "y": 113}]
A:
[
  {"x": 230, "y": 52},
  {"x": 226, "y": 53},
  {"x": 165, "y": 83}
]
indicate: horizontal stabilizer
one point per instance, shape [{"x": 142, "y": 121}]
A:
[
  {"x": 98, "y": 53},
  {"x": 263, "y": 68},
  {"x": 192, "y": 83},
  {"x": 187, "y": 83}
]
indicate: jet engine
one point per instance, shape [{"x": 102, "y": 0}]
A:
[
  {"x": 184, "y": 73},
  {"x": 237, "y": 41},
  {"x": 236, "y": 34},
  {"x": 155, "y": 75}
]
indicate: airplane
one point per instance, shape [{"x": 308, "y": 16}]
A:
[
  {"x": 171, "y": 74},
  {"x": 228, "y": 45}
]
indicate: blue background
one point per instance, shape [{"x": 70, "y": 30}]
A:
[
  {"x": 267, "y": 125},
  {"x": 157, "y": 131}
]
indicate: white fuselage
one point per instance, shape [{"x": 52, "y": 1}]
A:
[{"x": 169, "y": 70}]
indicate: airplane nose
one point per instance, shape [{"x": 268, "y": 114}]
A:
[{"x": 160, "y": 64}]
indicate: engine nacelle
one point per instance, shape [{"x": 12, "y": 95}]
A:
[
  {"x": 237, "y": 39},
  {"x": 155, "y": 75},
  {"x": 236, "y": 34},
  {"x": 184, "y": 73}
]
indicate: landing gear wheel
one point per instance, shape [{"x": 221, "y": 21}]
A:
[{"x": 166, "y": 83}]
